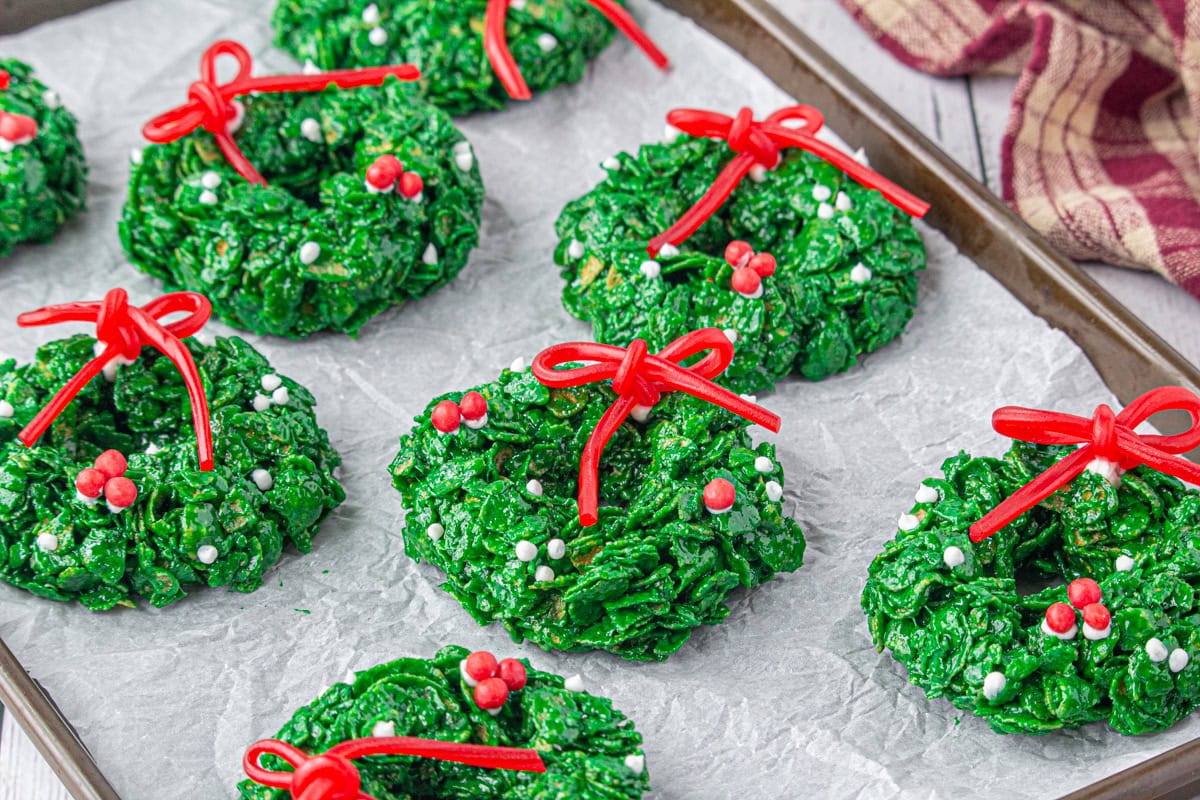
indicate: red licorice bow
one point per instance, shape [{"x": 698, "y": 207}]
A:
[
  {"x": 495, "y": 43},
  {"x": 332, "y": 776},
  {"x": 210, "y": 104},
  {"x": 760, "y": 143},
  {"x": 640, "y": 379},
  {"x": 125, "y": 330},
  {"x": 1106, "y": 436}
]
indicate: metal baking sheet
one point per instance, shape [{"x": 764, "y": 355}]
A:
[{"x": 788, "y": 697}]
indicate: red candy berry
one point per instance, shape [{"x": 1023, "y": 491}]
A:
[
  {"x": 1060, "y": 617},
  {"x": 120, "y": 492},
  {"x": 411, "y": 184},
  {"x": 382, "y": 174},
  {"x": 446, "y": 416},
  {"x": 480, "y": 665},
  {"x": 512, "y": 672},
  {"x": 1083, "y": 592},
  {"x": 737, "y": 253},
  {"x": 745, "y": 281},
  {"x": 90, "y": 482},
  {"x": 111, "y": 463},
  {"x": 1097, "y": 616},
  {"x": 763, "y": 264},
  {"x": 719, "y": 495},
  {"x": 4, "y": 78},
  {"x": 473, "y": 406},
  {"x": 17, "y": 127},
  {"x": 491, "y": 693}
]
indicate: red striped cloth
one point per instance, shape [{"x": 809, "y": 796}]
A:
[{"x": 1101, "y": 151}]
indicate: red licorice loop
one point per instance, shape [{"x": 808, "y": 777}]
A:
[
  {"x": 125, "y": 330},
  {"x": 332, "y": 775},
  {"x": 495, "y": 43},
  {"x": 640, "y": 379},
  {"x": 760, "y": 143},
  {"x": 210, "y": 105},
  {"x": 1106, "y": 436}
]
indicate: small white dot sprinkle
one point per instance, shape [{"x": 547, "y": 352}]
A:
[
  {"x": 210, "y": 180},
  {"x": 651, "y": 269},
  {"x": 261, "y": 402},
  {"x": 430, "y": 256},
  {"x": 464, "y": 160},
  {"x": 1124, "y": 563},
  {"x": 207, "y": 554},
  {"x": 51, "y": 99},
  {"x": 843, "y": 202},
  {"x": 926, "y": 494},
  {"x": 309, "y": 252},
  {"x": 668, "y": 250},
  {"x": 435, "y": 531},
  {"x": 1095, "y": 635},
  {"x": 671, "y": 133},
  {"x": 758, "y": 173},
  {"x": 1109, "y": 470},
  {"x": 90, "y": 502},
  {"x": 573, "y": 683},
  {"x": 543, "y": 574},
  {"x": 135, "y": 155},
  {"x": 311, "y": 129},
  {"x": 152, "y": 449},
  {"x": 1156, "y": 650},
  {"x": 370, "y": 14},
  {"x": 556, "y": 549},
  {"x": 517, "y": 5},
  {"x": 534, "y": 487},
  {"x": 271, "y": 382},
  {"x": 635, "y": 763},
  {"x": 774, "y": 491},
  {"x": 383, "y": 728},
  {"x": 1066, "y": 636},
  {"x": 517, "y": 365},
  {"x": 731, "y": 335},
  {"x": 525, "y": 550},
  {"x": 47, "y": 542},
  {"x": 547, "y": 42},
  {"x": 208, "y": 197},
  {"x": 611, "y": 163},
  {"x": 763, "y": 464},
  {"x": 6, "y": 410},
  {"x": 993, "y": 684},
  {"x": 640, "y": 413},
  {"x": 861, "y": 273},
  {"x": 908, "y": 522},
  {"x": 378, "y": 37},
  {"x": 825, "y": 211},
  {"x": 575, "y": 249},
  {"x": 280, "y": 396},
  {"x": 476, "y": 424},
  {"x": 310, "y": 68},
  {"x": 953, "y": 556},
  {"x": 262, "y": 479},
  {"x": 821, "y": 193},
  {"x": 1178, "y": 659}
]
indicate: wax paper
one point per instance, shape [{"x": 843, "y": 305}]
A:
[{"x": 786, "y": 699}]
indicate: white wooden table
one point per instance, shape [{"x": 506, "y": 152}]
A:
[{"x": 965, "y": 116}]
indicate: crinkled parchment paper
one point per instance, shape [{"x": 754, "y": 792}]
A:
[{"x": 786, "y": 699}]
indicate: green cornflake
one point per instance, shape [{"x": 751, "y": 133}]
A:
[
  {"x": 817, "y": 313},
  {"x": 952, "y": 626},
  {"x": 240, "y": 244},
  {"x": 581, "y": 738},
  {"x": 43, "y": 183},
  {"x": 655, "y": 566},
  {"x": 150, "y": 550},
  {"x": 445, "y": 40}
]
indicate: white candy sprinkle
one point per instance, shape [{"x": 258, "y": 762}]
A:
[
  {"x": 262, "y": 479},
  {"x": 476, "y": 424},
  {"x": 310, "y": 68},
  {"x": 668, "y": 250},
  {"x": 547, "y": 42},
  {"x": 763, "y": 464},
  {"x": 1094, "y": 634},
  {"x": 135, "y": 155},
  {"x": 821, "y": 193},
  {"x": 6, "y": 146},
  {"x": 573, "y": 683},
  {"x": 636, "y": 763},
  {"x": 651, "y": 269},
  {"x": 378, "y": 37},
  {"x": 1156, "y": 650},
  {"x": 311, "y": 129},
  {"x": 384, "y": 727},
  {"x": 80, "y": 497},
  {"x": 640, "y": 413},
  {"x": 543, "y": 574},
  {"x": 1178, "y": 659},
  {"x": 208, "y": 197},
  {"x": 1066, "y": 636},
  {"x": 309, "y": 252},
  {"x": 671, "y": 133},
  {"x": 370, "y": 14},
  {"x": 270, "y": 382},
  {"x": 556, "y": 549},
  {"x": 731, "y": 334},
  {"x": 47, "y": 542},
  {"x": 280, "y": 396},
  {"x": 467, "y": 679},
  {"x": 611, "y": 163},
  {"x": 1124, "y": 563},
  {"x": 261, "y": 402},
  {"x": 861, "y": 273},
  {"x": 51, "y": 99},
  {"x": 774, "y": 491},
  {"x": 430, "y": 256},
  {"x": 518, "y": 5},
  {"x": 927, "y": 494},
  {"x": 993, "y": 684},
  {"x": 534, "y": 487},
  {"x": 6, "y": 410},
  {"x": 1109, "y": 470},
  {"x": 517, "y": 365},
  {"x": 210, "y": 180},
  {"x": 526, "y": 550},
  {"x": 953, "y": 556},
  {"x": 435, "y": 531},
  {"x": 152, "y": 449},
  {"x": 575, "y": 249},
  {"x": 207, "y": 554},
  {"x": 843, "y": 203},
  {"x": 758, "y": 173},
  {"x": 464, "y": 160},
  {"x": 825, "y": 211},
  {"x": 908, "y": 522}
]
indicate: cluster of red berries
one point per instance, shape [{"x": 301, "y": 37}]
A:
[
  {"x": 719, "y": 495},
  {"x": 749, "y": 268},
  {"x": 492, "y": 680},
  {"x": 447, "y": 415},
  {"x": 17, "y": 128},
  {"x": 1083, "y": 594},
  {"x": 387, "y": 171},
  {"x": 106, "y": 477}
]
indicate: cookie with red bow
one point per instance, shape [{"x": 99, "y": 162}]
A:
[
  {"x": 473, "y": 54},
  {"x": 43, "y": 174},
  {"x": 302, "y": 203},
  {"x": 1057, "y": 585},
  {"x": 806, "y": 258},
  {"x": 612, "y": 506},
  {"x": 459, "y": 726},
  {"x": 141, "y": 462}
]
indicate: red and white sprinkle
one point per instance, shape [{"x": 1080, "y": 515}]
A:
[{"x": 719, "y": 496}]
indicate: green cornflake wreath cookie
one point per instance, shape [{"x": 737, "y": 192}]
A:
[
  {"x": 467, "y": 63},
  {"x": 43, "y": 175},
  {"x": 572, "y": 744},
  {"x": 691, "y": 511},
  {"x": 976, "y": 623},
  {"x": 126, "y": 439},
  {"x": 835, "y": 276},
  {"x": 370, "y": 200}
]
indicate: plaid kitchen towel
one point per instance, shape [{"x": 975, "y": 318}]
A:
[{"x": 1102, "y": 153}]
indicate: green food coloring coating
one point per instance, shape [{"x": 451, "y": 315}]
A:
[
  {"x": 952, "y": 626},
  {"x": 655, "y": 566},
  {"x": 151, "y": 549},
  {"x": 243, "y": 248},
  {"x": 814, "y": 318}
]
